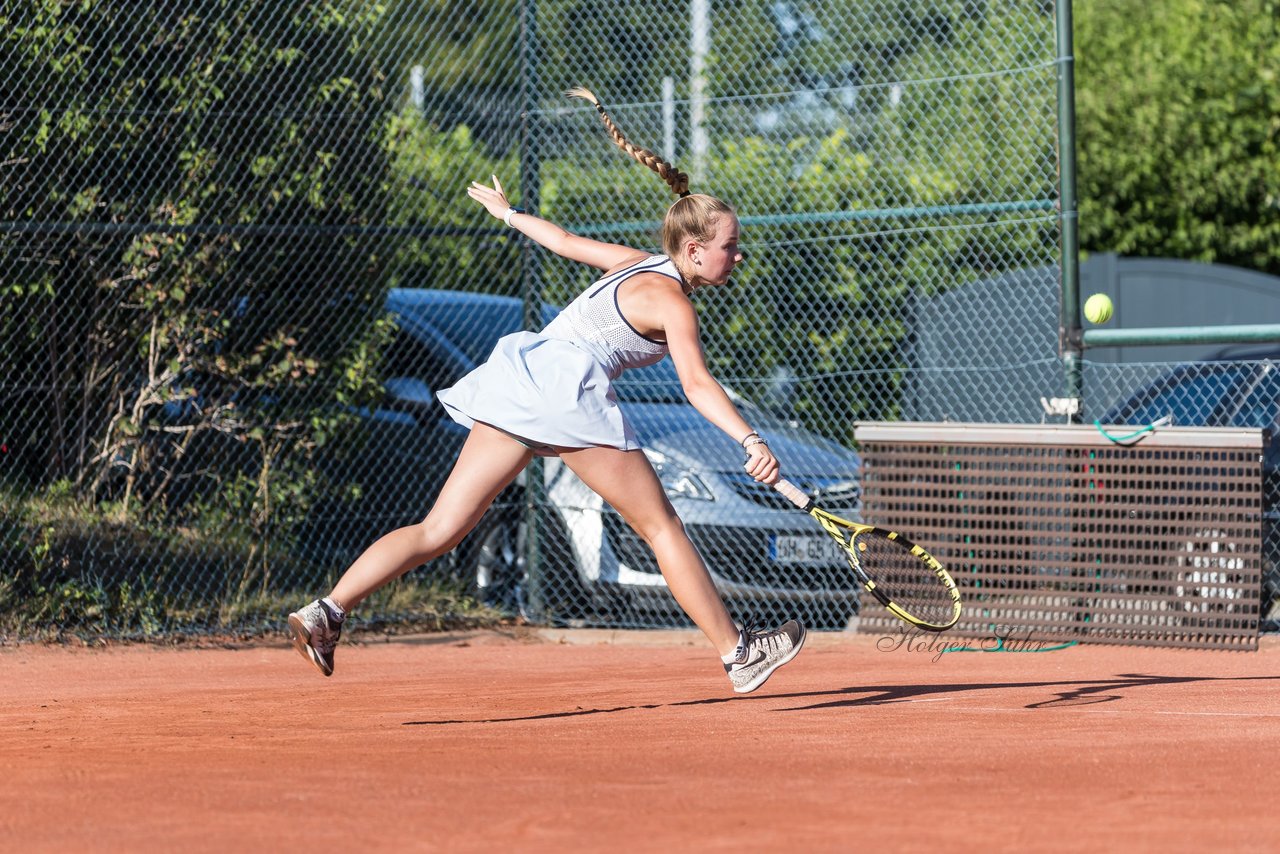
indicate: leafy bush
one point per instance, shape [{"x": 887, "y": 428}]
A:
[{"x": 1178, "y": 135}]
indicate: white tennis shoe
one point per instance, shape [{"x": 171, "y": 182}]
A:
[
  {"x": 766, "y": 651},
  {"x": 315, "y": 635}
]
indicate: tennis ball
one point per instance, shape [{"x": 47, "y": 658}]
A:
[{"x": 1098, "y": 308}]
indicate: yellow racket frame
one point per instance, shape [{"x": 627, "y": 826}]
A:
[{"x": 846, "y": 533}]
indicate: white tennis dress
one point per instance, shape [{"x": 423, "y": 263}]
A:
[{"x": 554, "y": 388}]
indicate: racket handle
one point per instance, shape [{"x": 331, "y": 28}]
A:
[{"x": 793, "y": 494}]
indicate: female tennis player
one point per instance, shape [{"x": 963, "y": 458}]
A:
[{"x": 550, "y": 393}]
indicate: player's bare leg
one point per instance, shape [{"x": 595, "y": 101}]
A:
[
  {"x": 627, "y": 481},
  {"x": 489, "y": 461}
]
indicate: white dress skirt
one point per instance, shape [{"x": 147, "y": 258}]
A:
[{"x": 546, "y": 392}]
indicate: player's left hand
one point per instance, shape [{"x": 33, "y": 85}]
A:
[{"x": 493, "y": 198}]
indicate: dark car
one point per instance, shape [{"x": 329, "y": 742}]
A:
[
  {"x": 1235, "y": 388},
  {"x": 761, "y": 552}
]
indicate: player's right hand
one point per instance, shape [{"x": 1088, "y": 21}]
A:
[{"x": 762, "y": 464}]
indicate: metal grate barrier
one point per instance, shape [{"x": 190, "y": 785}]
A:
[{"x": 1059, "y": 533}]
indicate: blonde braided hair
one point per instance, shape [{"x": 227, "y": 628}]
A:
[
  {"x": 676, "y": 180},
  {"x": 693, "y": 215}
]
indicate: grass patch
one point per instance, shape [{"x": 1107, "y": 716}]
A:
[{"x": 72, "y": 571}]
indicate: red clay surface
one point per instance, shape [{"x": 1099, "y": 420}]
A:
[{"x": 633, "y": 742}]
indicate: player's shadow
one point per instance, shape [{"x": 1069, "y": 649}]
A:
[
  {"x": 575, "y": 713},
  {"x": 1083, "y": 692}
]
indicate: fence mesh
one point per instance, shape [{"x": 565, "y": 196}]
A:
[{"x": 239, "y": 260}]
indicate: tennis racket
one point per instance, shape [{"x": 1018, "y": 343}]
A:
[{"x": 905, "y": 578}]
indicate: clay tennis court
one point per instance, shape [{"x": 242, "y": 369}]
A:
[{"x": 593, "y": 741}]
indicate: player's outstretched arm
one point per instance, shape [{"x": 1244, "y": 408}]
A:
[
  {"x": 594, "y": 253},
  {"x": 705, "y": 393}
]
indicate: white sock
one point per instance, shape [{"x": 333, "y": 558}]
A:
[{"x": 739, "y": 653}]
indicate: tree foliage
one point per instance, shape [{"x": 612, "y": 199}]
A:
[
  {"x": 1179, "y": 129},
  {"x": 192, "y": 184}
]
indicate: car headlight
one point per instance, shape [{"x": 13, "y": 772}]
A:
[{"x": 679, "y": 481}]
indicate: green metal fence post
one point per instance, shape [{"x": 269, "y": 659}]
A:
[
  {"x": 1070, "y": 340},
  {"x": 531, "y": 277}
]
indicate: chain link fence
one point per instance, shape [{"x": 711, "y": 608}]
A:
[{"x": 239, "y": 260}]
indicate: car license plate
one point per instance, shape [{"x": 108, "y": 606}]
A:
[{"x": 803, "y": 549}]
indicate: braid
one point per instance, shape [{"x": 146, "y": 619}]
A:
[{"x": 676, "y": 180}]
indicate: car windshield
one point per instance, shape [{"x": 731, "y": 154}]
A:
[
  {"x": 471, "y": 325},
  {"x": 1192, "y": 396},
  {"x": 1261, "y": 404},
  {"x": 656, "y": 383},
  {"x": 659, "y": 383},
  {"x": 474, "y": 325}
]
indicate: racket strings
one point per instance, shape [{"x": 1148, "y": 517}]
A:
[{"x": 906, "y": 579}]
